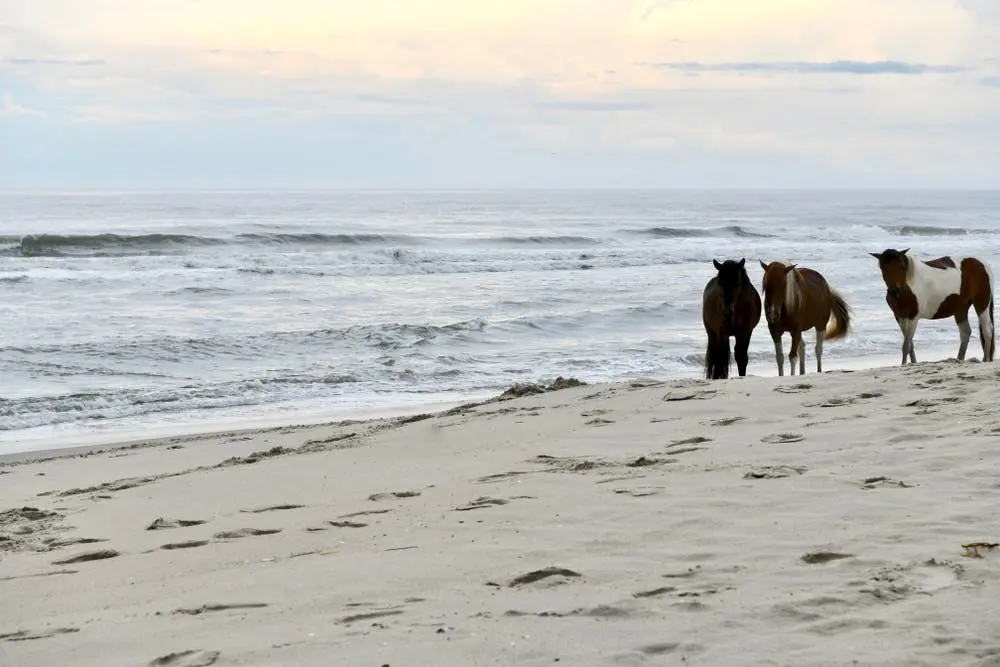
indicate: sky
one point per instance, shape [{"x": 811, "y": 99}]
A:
[{"x": 499, "y": 93}]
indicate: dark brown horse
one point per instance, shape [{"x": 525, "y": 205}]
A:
[
  {"x": 938, "y": 288},
  {"x": 796, "y": 300},
  {"x": 730, "y": 306}
]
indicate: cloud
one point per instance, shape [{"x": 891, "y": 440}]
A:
[
  {"x": 830, "y": 67},
  {"x": 594, "y": 105},
  {"x": 83, "y": 62},
  {"x": 644, "y": 91},
  {"x": 661, "y": 4},
  {"x": 9, "y": 108}
]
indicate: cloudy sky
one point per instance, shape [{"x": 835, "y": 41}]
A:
[{"x": 499, "y": 93}]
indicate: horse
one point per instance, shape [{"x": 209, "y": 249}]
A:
[
  {"x": 796, "y": 300},
  {"x": 935, "y": 289},
  {"x": 730, "y": 306}
]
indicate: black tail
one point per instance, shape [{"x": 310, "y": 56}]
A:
[{"x": 717, "y": 358}]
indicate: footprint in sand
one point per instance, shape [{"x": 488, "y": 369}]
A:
[
  {"x": 568, "y": 463},
  {"x": 503, "y": 475},
  {"x": 164, "y": 524},
  {"x": 645, "y": 461},
  {"x": 211, "y": 608},
  {"x": 54, "y": 573},
  {"x": 793, "y": 388},
  {"x": 655, "y": 593},
  {"x": 893, "y": 584},
  {"x": 638, "y": 493},
  {"x": 600, "y": 611},
  {"x": 782, "y": 438},
  {"x": 369, "y": 616},
  {"x": 190, "y": 658},
  {"x": 877, "y": 482},
  {"x": 245, "y": 532},
  {"x": 347, "y": 524},
  {"x": 273, "y": 508},
  {"x": 696, "y": 440},
  {"x": 29, "y": 635},
  {"x": 375, "y": 497},
  {"x": 823, "y": 557},
  {"x": 87, "y": 557},
  {"x": 725, "y": 421},
  {"x": 686, "y": 445},
  {"x": 682, "y": 450},
  {"x": 364, "y": 513},
  {"x": 774, "y": 472},
  {"x": 561, "y": 575},
  {"x": 599, "y": 421},
  {"x": 482, "y": 503},
  {"x": 689, "y": 395},
  {"x": 52, "y": 543},
  {"x": 193, "y": 544}
]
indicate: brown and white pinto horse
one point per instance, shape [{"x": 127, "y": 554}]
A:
[
  {"x": 935, "y": 289},
  {"x": 796, "y": 300}
]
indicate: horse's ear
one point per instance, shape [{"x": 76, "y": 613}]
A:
[
  {"x": 762, "y": 264},
  {"x": 903, "y": 252},
  {"x": 876, "y": 255},
  {"x": 742, "y": 262},
  {"x": 789, "y": 267},
  {"x": 718, "y": 267}
]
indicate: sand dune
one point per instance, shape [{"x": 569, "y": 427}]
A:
[{"x": 816, "y": 520}]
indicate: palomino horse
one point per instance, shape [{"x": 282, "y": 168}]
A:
[
  {"x": 730, "y": 306},
  {"x": 796, "y": 300},
  {"x": 935, "y": 289}
]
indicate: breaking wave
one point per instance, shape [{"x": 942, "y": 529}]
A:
[{"x": 702, "y": 232}]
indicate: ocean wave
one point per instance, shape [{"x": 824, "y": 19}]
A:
[
  {"x": 57, "y": 245},
  {"x": 83, "y": 245},
  {"x": 930, "y": 230},
  {"x": 121, "y": 356},
  {"x": 184, "y": 291},
  {"x": 110, "y": 245},
  {"x": 701, "y": 232},
  {"x": 20, "y": 413},
  {"x": 562, "y": 240}
]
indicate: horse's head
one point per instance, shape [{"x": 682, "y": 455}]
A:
[
  {"x": 775, "y": 288},
  {"x": 731, "y": 277},
  {"x": 894, "y": 265}
]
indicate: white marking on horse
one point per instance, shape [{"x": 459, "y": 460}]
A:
[{"x": 931, "y": 286}]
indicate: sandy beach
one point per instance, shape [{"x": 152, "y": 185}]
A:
[{"x": 816, "y": 520}]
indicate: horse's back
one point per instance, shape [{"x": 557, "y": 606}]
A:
[{"x": 814, "y": 280}]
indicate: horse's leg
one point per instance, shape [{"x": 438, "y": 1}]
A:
[
  {"x": 797, "y": 353},
  {"x": 742, "y": 352},
  {"x": 802, "y": 355},
  {"x": 906, "y": 343},
  {"x": 909, "y": 329},
  {"x": 986, "y": 332},
  {"x": 820, "y": 333},
  {"x": 964, "y": 332},
  {"x": 779, "y": 354}
]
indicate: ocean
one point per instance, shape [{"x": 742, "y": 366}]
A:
[{"x": 138, "y": 313}]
